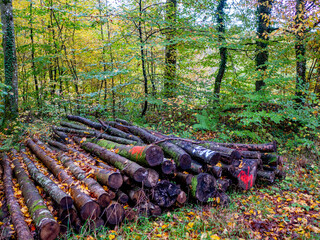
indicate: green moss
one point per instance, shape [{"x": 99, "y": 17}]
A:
[{"x": 194, "y": 184}]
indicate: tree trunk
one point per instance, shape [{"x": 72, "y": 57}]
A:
[
  {"x": 264, "y": 12},
  {"x": 122, "y": 197},
  {"x": 222, "y": 48},
  {"x": 50, "y": 187},
  {"x": 167, "y": 166},
  {"x": 170, "y": 78},
  {"x": 165, "y": 193},
  {"x": 226, "y": 153},
  {"x": 21, "y": 228},
  {"x": 203, "y": 187},
  {"x": 267, "y": 147},
  {"x": 128, "y": 167},
  {"x": 41, "y": 216},
  {"x": 86, "y": 206},
  {"x": 10, "y": 62}
]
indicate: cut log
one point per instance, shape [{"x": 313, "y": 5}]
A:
[
  {"x": 152, "y": 178},
  {"x": 226, "y": 153},
  {"x": 250, "y": 154},
  {"x": 114, "y": 213},
  {"x": 216, "y": 171},
  {"x": 61, "y": 136},
  {"x": 61, "y": 198},
  {"x": 270, "y": 159},
  {"x": 137, "y": 195},
  {"x": 130, "y": 214},
  {"x": 93, "y": 133},
  {"x": 132, "y": 169},
  {"x": 222, "y": 199},
  {"x": 223, "y": 184},
  {"x": 154, "y": 210},
  {"x": 203, "y": 187},
  {"x": 86, "y": 206},
  {"x": 44, "y": 221},
  {"x": 268, "y": 176},
  {"x": 110, "y": 130},
  {"x": 73, "y": 125},
  {"x": 184, "y": 179},
  {"x": 165, "y": 193},
  {"x": 124, "y": 122},
  {"x": 182, "y": 198},
  {"x": 93, "y": 186},
  {"x": 180, "y": 157},
  {"x": 167, "y": 166},
  {"x": 67, "y": 216},
  {"x": 20, "y": 226},
  {"x": 122, "y": 197},
  {"x": 200, "y": 153},
  {"x": 246, "y": 173},
  {"x": 150, "y": 155},
  {"x": 267, "y": 147},
  {"x": 117, "y": 125},
  {"x": 197, "y": 167}
]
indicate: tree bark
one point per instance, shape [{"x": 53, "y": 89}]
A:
[
  {"x": 150, "y": 155},
  {"x": 122, "y": 197},
  {"x": 21, "y": 228},
  {"x": 88, "y": 208},
  {"x": 227, "y": 154},
  {"x": 41, "y": 216},
  {"x": 263, "y": 30},
  {"x": 128, "y": 167},
  {"x": 152, "y": 178},
  {"x": 267, "y": 147},
  {"x": 222, "y": 48},
  {"x": 50, "y": 187},
  {"x": 114, "y": 213},
  {"x": 10, "y": 62},
  {"x": 203, "y": 187}
]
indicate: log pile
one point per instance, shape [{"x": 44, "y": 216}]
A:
[{"x": 105, "y": 172}]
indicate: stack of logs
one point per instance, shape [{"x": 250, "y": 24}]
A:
[{"x": 113, "y": 170}]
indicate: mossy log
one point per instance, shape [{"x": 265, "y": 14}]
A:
[
  {"x": 87, "y": 207},
  {"x": 93, "y": 186},
  {"x": 150, "y": 155},
  {"x": 110, "y": 130},
  {"x": 132, "y": 169},
  {"x": 43, "y": 219},
  {"x": 73, "y": 125},
  {"x": 165, "y": 193},
  {"x": 20, "y": 226},
  {"x": 180, "y": 157},
  {"x": 60, "y": 136},
  {"x": 199, "y": 153},
  {"x": 63, "y": 200},
  {"x": 93, "y": 133},
  {"x": 203, "y": 187},
  {"x": 270, "y": 159}
]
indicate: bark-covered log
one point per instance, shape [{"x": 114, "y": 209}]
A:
[
  {"x": 222, "y": 198},
  {"x": 268, "y": 176},
  {"x": 93, "y": 133},
  {"x": 122, "y": 127},
  {"x": 93, "y": 186},
  {"x": 86, "y": 206},
  {"x": 114, "y": 213},
  {"x": 130, "y": 214},
  {"x": 124, "y": 122},
  {"x": 165, "y": 193},
  {"x": 67, "y": 216},
  {"x": 246, "y": 173},
  {"x": 73, "y": 125},
  {"x": 180, "y": 157},
  {"x": 226, "y": 153},
  {"x": 150, "y": 155},
  {"x": 251, "y": 154},
  {"x": 184, "y": 179},
  {"x": 203, "y": 187},
  {"x": 60, "y": 136},
  {"x": 122, "y": 197},
  {"x": 200, "y": 153},
  {"x": 109, "y": 177},
  {"x": 110, "y": 130},
  {"x": 267, "y": 147},
  {"x": 44, "y": 221},
  {"x": 21, "y": 228},
  {"x": 167, "y": 166},
  {"x": 223, "y": 184},
  {"x": 270, "y": 159},
  {"x": 152, "y": 178},
  {"x": 216, "y": 171},
  {"x": 137, "y": 195},
  {"x": 197, "y": 167},
  {"x": 51, "y": 188},
  {"x": 128, "y": 167}
]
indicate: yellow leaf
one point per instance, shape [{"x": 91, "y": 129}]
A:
[
  {"x": 111, "y": 236},
  {"x": 190, "y": 224},
  {"x": 214, "y": 237}
]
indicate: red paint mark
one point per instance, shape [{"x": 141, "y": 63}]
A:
[
  {"x": 246, "y": 178},
  {"x": 138, "y": 150}
]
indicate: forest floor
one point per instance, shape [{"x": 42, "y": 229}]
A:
[{"x": 288, "y": 209}]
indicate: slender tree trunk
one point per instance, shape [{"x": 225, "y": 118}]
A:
[
  {"x": 170, "y": 78},
  {"x": 10, "y": 61},
  {"x": 301, "y": 63},
  {"x": 264, "y": 12},
  {"x": 37, "y": 93},
  {"x": 222, "y": 49},
  {"x": 143, "y": 61}
]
